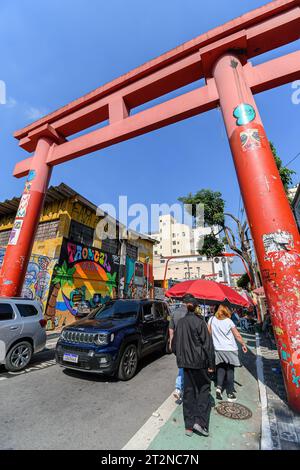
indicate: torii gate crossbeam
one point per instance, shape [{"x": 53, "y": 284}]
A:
[{"x": 221, "y": 56}]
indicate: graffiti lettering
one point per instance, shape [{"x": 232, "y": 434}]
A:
[{"x": 78, "y": 253}]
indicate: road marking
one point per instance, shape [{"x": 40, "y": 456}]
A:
[
  {"x": 145, "y": 435},
  {"x": 266, "y": 437}
]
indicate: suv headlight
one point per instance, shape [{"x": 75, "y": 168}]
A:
[
  {"x": 103, "y": 338},
  {"x": 62, "y": 335}
]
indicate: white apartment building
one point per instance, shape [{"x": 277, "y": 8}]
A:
[{"x": 182, "y": 241}]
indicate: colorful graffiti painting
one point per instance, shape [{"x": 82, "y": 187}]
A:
[
  {"x": 136, "y": 279},
  {"x": 38, "y": 276},
  {"x": 83, "y": 278}
]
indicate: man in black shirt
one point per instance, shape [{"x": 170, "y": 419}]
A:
[
  {"x": 177, "y": 313},
  {"x": 193, "y": 347}
]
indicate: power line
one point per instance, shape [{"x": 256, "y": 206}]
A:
[{"x": 293, "y": 159}]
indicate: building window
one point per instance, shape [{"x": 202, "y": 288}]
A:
[
  {"x": 183, "y": 234},
  {"x": 220, "y": 274},
  {"x": 162, "y": 260},
  {"x": 174, "y": 243},
  {"x": 132, "y": 251},
  {"x": 156, "y": 252},
  {"x": 110, "y": 246},
  {"x": 81, "y": 233},
  {"x": 174, "y": 251},
  {"x": 4, "y": 237},
  {"x": 199, "y": 258}
]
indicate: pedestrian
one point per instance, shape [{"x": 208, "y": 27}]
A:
[
  {"x": 176, "y": 314},
  {"x": 224, "y": 334},
  {"x": 194, "y": 352},
  {"x": 235, "y": 318}
]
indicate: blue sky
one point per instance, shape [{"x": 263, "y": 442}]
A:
[{"x": 55, "y": 51}]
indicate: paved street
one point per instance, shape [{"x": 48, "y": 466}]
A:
[{"x": 50, "y": 408}]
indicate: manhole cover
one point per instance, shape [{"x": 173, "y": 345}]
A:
[{"x": 233, "y": 410}]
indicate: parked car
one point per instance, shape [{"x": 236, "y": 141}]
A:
[
  {"x": 22, "y": 331},
  {"x": 114, "y": 337}
]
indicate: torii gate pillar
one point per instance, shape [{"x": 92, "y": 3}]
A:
[
  {"x": 28, "y": 215},
  {"x": 272, "y": 224}
]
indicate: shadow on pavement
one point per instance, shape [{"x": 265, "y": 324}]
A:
[{"x": 143, "y": 363}]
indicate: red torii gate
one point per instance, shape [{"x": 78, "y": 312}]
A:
[{"x": 221, "y": 57}]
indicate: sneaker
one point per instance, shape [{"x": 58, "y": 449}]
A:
[
  {"x": 177, "y": 394},
  {"x": 201, "y": 429},
  {"x": 231, "y": 397},
  {"x": 189, "y": 432},
  {"x": 219, "y": 394}
]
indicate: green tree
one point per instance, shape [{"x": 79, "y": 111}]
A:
[
  {"x": 237, "y": 239},
  {"x": 243, "y": 282},
  {"x": 213, "y": 205},
  {"x": 286, "y": 174}
]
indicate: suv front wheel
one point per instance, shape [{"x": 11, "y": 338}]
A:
[
  {"x": 18, "y": 357},
  {"x": 128, "y": 363}
]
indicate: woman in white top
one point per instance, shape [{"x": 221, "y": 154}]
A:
[{"x": 224, "y": 334}]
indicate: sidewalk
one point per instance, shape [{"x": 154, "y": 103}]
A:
[
  {"x": 284, "y": 423},
  {"x": 225, "y": 433},
  {"x": 272, "y": 424}
]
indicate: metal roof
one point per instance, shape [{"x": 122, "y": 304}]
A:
[
  {"x": 54, "y": 193},
  {"x": 59, "y": 193}
]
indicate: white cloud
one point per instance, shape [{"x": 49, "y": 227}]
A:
[
  {"x": 11, "y": 102},
  {"x": 33, "y": 113}
]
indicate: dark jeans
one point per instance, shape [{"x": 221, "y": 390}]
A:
[
  {"x": 225, "y": 371},
  {"x": 196, "y": 398}
]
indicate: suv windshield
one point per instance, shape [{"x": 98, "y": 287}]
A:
[{"x": 116, "y": 309}]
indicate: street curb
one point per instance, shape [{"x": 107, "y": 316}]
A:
[
  {"x": 266, "y": 437},
  {"x": 145, "y": 435}
]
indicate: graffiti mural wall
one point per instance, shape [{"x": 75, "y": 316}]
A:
[
  {"x": 137, "y": 274},
  {"x": 38, "y": 277},
  {"x": 83, "y": 278}
]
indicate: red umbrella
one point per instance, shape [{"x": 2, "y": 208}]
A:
[
  {"x": 210, "y": 291},
  {"x": 247, "y": 297}
]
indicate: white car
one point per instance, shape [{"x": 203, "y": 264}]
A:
[{"x": 22, "y": 331}]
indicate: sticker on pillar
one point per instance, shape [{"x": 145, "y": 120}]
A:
[
  {"x": 27, "y": 187},
  {"x": 244, "y": 113},
  {"x": 278, "y": 241},
  {"x": 250, "y": 140},
  {"x": 15, "y": 233},
  {"x": 31, "y": 175},
  {"x": 296, "y": 357},
  {"x": 23, "y": 205}
]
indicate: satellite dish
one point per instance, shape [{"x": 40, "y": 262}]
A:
[{"x": 217, "y": 260}]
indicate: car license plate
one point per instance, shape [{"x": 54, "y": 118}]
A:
[{"x": 70, "y": 358}]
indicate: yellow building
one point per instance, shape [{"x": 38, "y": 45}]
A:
[{"x": 74, "y": 265}]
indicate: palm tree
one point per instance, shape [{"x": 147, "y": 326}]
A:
[
  {"x": 111, "y": 282},
  {"x": 63, "y": 275}
]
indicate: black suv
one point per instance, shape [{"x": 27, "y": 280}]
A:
[{"x": 112, "y": 338}]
